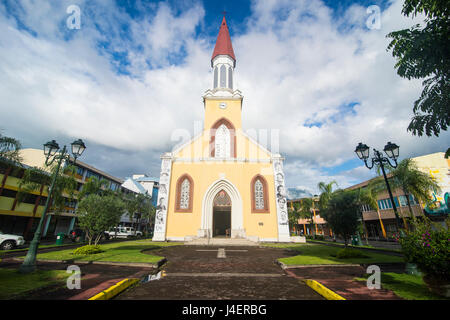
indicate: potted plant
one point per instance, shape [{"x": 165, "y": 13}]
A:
[{"x": 428, "y": 246}]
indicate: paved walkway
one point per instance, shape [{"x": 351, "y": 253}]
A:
[
  {"x": 341, "y": 280},
  {"x": 195, "y": 272}
]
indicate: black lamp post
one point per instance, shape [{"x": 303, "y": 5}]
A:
[
  {"x": 392, "y": 151},
  {"x": 50, "y": 150}
]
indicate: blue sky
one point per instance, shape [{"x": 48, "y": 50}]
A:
[{"x": 135, "y": 71}]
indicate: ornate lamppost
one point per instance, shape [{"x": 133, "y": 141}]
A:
[
  {"x": 51, "y": 152},
  {"x": 392, "y": 151}
]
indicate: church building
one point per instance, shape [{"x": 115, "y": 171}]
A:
[{"x": 222, "y": 183}]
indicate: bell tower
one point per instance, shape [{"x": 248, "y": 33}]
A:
[{"x": 223, "y": 101}]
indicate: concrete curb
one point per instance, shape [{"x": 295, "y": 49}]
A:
[
  {"x": 114, "y": 290},
  {"x": 322, "y": 290},
  {"x": 109, "y": 263}
]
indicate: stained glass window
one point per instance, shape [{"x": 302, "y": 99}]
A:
[
  {"x": 184, "y": 198},
  {"x": 259, "y": 195}
]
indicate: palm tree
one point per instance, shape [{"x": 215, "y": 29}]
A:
[
  {"x": 306, "y": 211},
  {"x": 139, "y": 205},
  {"x": 94, "y": 185},
  {"x": 294, "y": 214},
  {"x": 36, "y": 179},
  {"x": 326, "y": 190},
  {"x": 10, "y": 148},
  {"x": 412, "y": 181},
  {"x": 370, "y": 195}
]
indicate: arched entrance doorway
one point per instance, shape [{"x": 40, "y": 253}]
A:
[
  {"x": 222, "y": 215},
  {"x": 237, "y": 224}
]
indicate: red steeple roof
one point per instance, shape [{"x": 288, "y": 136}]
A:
[{"x": 223, "y": 43}]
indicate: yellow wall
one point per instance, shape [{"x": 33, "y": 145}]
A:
[
  {"x": 233, "y": 112},
  {"x": 204, "y": 175}
]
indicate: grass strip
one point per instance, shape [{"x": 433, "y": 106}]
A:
[
  {"x": 406, "y": 286},
  {"x": 310, "y": 254},
  {"x": 14, "y": 284},
  {"x": 128, "y": 252}
]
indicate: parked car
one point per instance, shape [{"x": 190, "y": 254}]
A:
[
  {"x": 123, "y": 232},
  {"x": 76, "y": 235},
  {"x": 10, "y": 241}
]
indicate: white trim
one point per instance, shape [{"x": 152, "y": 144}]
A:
[
  {"x": 175, "y": 239},
  {"x": 268, "y": 240},
  {"x": 192, "y": 140},
  {"x": 237, "y": 220}
]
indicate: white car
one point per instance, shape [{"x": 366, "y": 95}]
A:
[
  {"x": 123, "y": 232},
  {"x": 10, "y": 241}
]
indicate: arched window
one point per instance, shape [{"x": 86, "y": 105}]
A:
[
  {"x": 223, "y": 139},
  {"x": 222, "y": 142},
  {"x": 185, "y": 186},
  {"x": 223, "y": 76},
  {"x": 216, "y": 80},
  {"x": 260, "y": 201},
  {"x": 230, "y": 78}
]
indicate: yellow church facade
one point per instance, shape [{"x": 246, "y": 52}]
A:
[{"x": 222, "y": 183}]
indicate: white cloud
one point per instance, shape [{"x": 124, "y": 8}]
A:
[{"x": 296, "y": 65}]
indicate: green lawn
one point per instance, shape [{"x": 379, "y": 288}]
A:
[
  {"x": 351, "y": 246},
  {"x": 406, "y": 286},
  {"x": 322, "y": 254},
  {"x": 128, "y": 251},
  {"x": 14, "y": 284}
]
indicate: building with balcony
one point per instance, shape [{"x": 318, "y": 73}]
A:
[{"x": 23, "y": 217}]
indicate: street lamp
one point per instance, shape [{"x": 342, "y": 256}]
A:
[
  {"x": 51, "y": 154},
  {"x": 392, "y": 151}
]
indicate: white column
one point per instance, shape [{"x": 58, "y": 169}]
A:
[
  {"x": 280, "y": 196},
  {"x": 159, "y": 233}
]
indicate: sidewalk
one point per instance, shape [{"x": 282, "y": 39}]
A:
[{"x": 340, "y": 280}]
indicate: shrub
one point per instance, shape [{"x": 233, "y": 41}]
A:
[
  {"x": 87, "y": 250},
  {"x": 428, "y": 246},
  {"x": 319, "y": 237},
  {"x": 348, "y": 253}
]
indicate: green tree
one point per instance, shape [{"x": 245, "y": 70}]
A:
[
  {"x": 411, "y": 180},
  {"x": 343, "y": 213},
  {"x": 307, "y": 213},
  {"x": 10, "y": 148},
  {"x": 35, "y": 179},
  {"x": 326, "y": 191},
  {"x": 422, "y": 52},
  {"x": 294, "y": 215},
  {"x": 96, "y": 214},
  {"x": 139, "y": 207},
  {"x": 95, "y": 185}
]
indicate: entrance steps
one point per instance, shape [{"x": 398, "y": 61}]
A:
[{"x": 220, "y": 242}]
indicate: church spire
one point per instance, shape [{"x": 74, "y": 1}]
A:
[
  {"x": 223, "y": 43},
  {"x": 223, "y": 61}
]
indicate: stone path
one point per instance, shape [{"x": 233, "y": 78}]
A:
[{"x": 217, "y": 273}]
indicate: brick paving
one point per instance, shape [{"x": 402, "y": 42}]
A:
[
  {"x": 341, "y": 280},
  {"x": 249, "y": 273}
]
